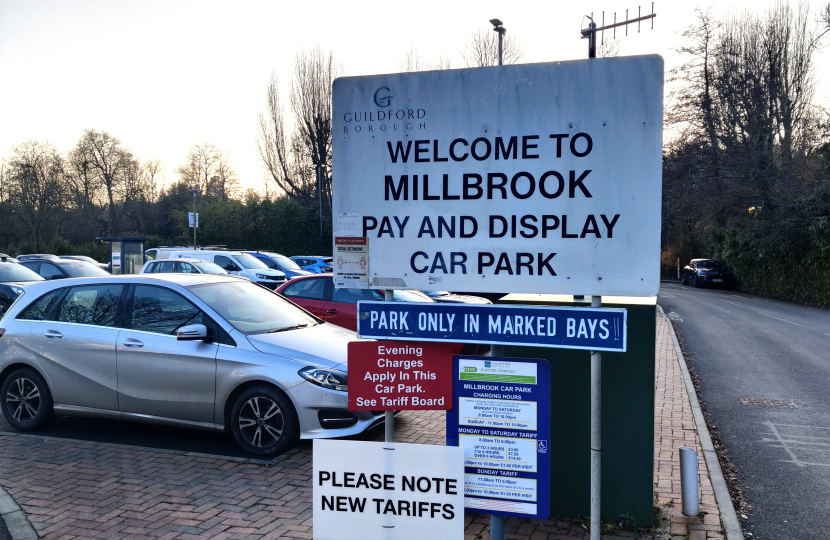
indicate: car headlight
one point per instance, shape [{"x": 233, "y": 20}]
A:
[
  {"x": 17, "y": 290},
  {"x": 327, "y": 378},
  {"x": 262, "y": 276}
]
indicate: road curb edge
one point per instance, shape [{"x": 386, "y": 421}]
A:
[
  {"x": 16, "y": 521},
  {"x": 729, "y": 518}
]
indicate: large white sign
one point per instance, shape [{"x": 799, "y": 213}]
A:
[
  {"x": 387, "y": 491},
  {"x": 538, "y": 178}
]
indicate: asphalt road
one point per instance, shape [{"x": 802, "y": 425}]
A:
[{"x": 764, "y": 369}]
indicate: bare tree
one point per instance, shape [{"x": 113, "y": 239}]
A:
[
  {"x": 310, "y": 97},
  {"x": 106, "y": 157},
  {"x": 200, "y": 165},
  {"x": 415, "y": 62},
  {"x": 35, "y": 185},
  {"x": 609, "y": 48},
  {"x": 274, "y": 148},
  {"x": 209, "y": 170},
  {"x": 290, "y": 161},
  {"x": 224, "y": 183},
  {"x": 483, "y": 49}
]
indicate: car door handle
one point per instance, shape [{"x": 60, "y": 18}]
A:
[
  {"x": 52, "y": 334},
  {"x": 331, "y": 311},
  {"x": 134, "y": 343}
]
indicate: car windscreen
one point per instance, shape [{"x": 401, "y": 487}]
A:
[
  {"x": 83, "y": 269},
  {"x": 436, "y": 294},
  {"x": 250, "y": 262},
  {"x": 410, "y": 296},
  {"x": 209, "y": 268},
  {"x": 252, "y": 309},
  {"x": 15, "y": 272},
  {"x": 710, "y": 265},
  {"x": 285, "y": 262}
]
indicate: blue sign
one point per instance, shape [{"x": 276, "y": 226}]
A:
[
  {"x": 596, "y": 329},
  {"x": 501, "y": 417}
]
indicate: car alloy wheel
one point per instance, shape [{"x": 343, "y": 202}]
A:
[
  {"x": 263, "y": 421},
  {"x": 4, "y": 307},
  {"x": 27, "y": 403}
]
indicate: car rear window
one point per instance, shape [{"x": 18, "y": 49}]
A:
[
  {"x": 40, "y": 308},
  {"x": 95, "y": 305},
  {"x": 311, "y": 289},
  {"x": 16, "y": 272}
]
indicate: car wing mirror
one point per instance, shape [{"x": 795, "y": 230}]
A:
[{"x": 192, "y": 332}]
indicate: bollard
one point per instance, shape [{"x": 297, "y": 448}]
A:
[{"x": 689, "y": 481}]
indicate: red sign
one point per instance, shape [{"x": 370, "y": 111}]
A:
[{"x": 400, "y": 376}]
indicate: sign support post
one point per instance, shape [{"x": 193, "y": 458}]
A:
[
  {"x": 388, "y": 416},
  {"x": 596, "y": 434},
  {"x": 497, "y": 522}
]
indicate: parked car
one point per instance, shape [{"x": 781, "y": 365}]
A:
[
  {"x": 452, "y": 298},
  {"x": 84, "y": 258},
  {"x": 316, "y": 294},
  {"x": 275, "y": 261},
  {"x": 314, "y": 263},
  {"x": 238, "y": 264},
  {"x": 708, "y": 272},
  {"x": 62, "y": 268},
  {"x": 36, "y": 256},
  {"x": 163, "y": 252},
  {"x": 212, "y": 352},
  {"x": 182, "y": 266},
  {"x": 13, "y": 277}
]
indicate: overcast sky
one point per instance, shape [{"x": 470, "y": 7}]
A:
[{"x": 162, "y": 75}]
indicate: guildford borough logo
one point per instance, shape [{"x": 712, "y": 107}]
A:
[
  {"x": 384, "y": 118},
  {"x": 382, "y": 97}
]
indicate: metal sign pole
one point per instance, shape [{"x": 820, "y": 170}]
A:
[
  {"x": 496, "y": 522},
  {"x": 596, "y": 434},
  {"x": 389, "y": 416}
]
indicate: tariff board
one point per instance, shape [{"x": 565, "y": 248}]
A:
[
  {"x": 593, "y": 329},
  {"x": 536, "y": 178},
  {"x": 501, "y": 418},
  {"x": 366, "y": 490},
  {"x": 394, "y": 376}
]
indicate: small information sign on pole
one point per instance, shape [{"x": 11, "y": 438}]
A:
[
  {"x": 501, "y": 419},
  {"x": 351, "y": 262},
  {"x": 394, "y": 376}
]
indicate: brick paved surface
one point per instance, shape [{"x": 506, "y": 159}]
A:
[
  {"x": 674, "y": 426},
  {"x": 78, "y": 490}
]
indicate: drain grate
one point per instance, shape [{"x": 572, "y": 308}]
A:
[{"x": 757, "y": 402}]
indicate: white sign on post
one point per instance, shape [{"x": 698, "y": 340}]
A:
[
  {"x": 527, "y": 178},
  {"x": 193, "y": 219},
  {"x": 388, "y": 491}
]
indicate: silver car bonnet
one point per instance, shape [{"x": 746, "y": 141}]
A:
[{"x": 324, "y": 345}]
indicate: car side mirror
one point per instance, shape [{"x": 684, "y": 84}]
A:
[{"x": 192, "y": 332}]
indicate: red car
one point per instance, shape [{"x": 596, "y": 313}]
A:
[{"x": 317, "y": 294}]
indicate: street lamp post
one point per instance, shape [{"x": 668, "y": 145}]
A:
[
  {"x": 498, "y": 26},
  {"x": 194, "y": 192}
]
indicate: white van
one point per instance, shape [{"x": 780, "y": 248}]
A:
[
  {"x": 236, "y": 263},
  {"x": 158, "y": 253}
]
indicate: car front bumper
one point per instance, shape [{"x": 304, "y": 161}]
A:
[{"x": 318, "y": 410}]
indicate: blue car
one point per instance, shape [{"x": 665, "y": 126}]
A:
[
  {"x": 275, "y": 261},
  {"x": 314, "y": 263}
]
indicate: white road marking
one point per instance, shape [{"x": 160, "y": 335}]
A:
[
  {"x": 793, "y": 442},
  {"x": 733, "y": 303},
  {"x": 778, "y": 318}
]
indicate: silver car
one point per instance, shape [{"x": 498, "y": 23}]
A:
[{"x": 211, "y": 352}]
